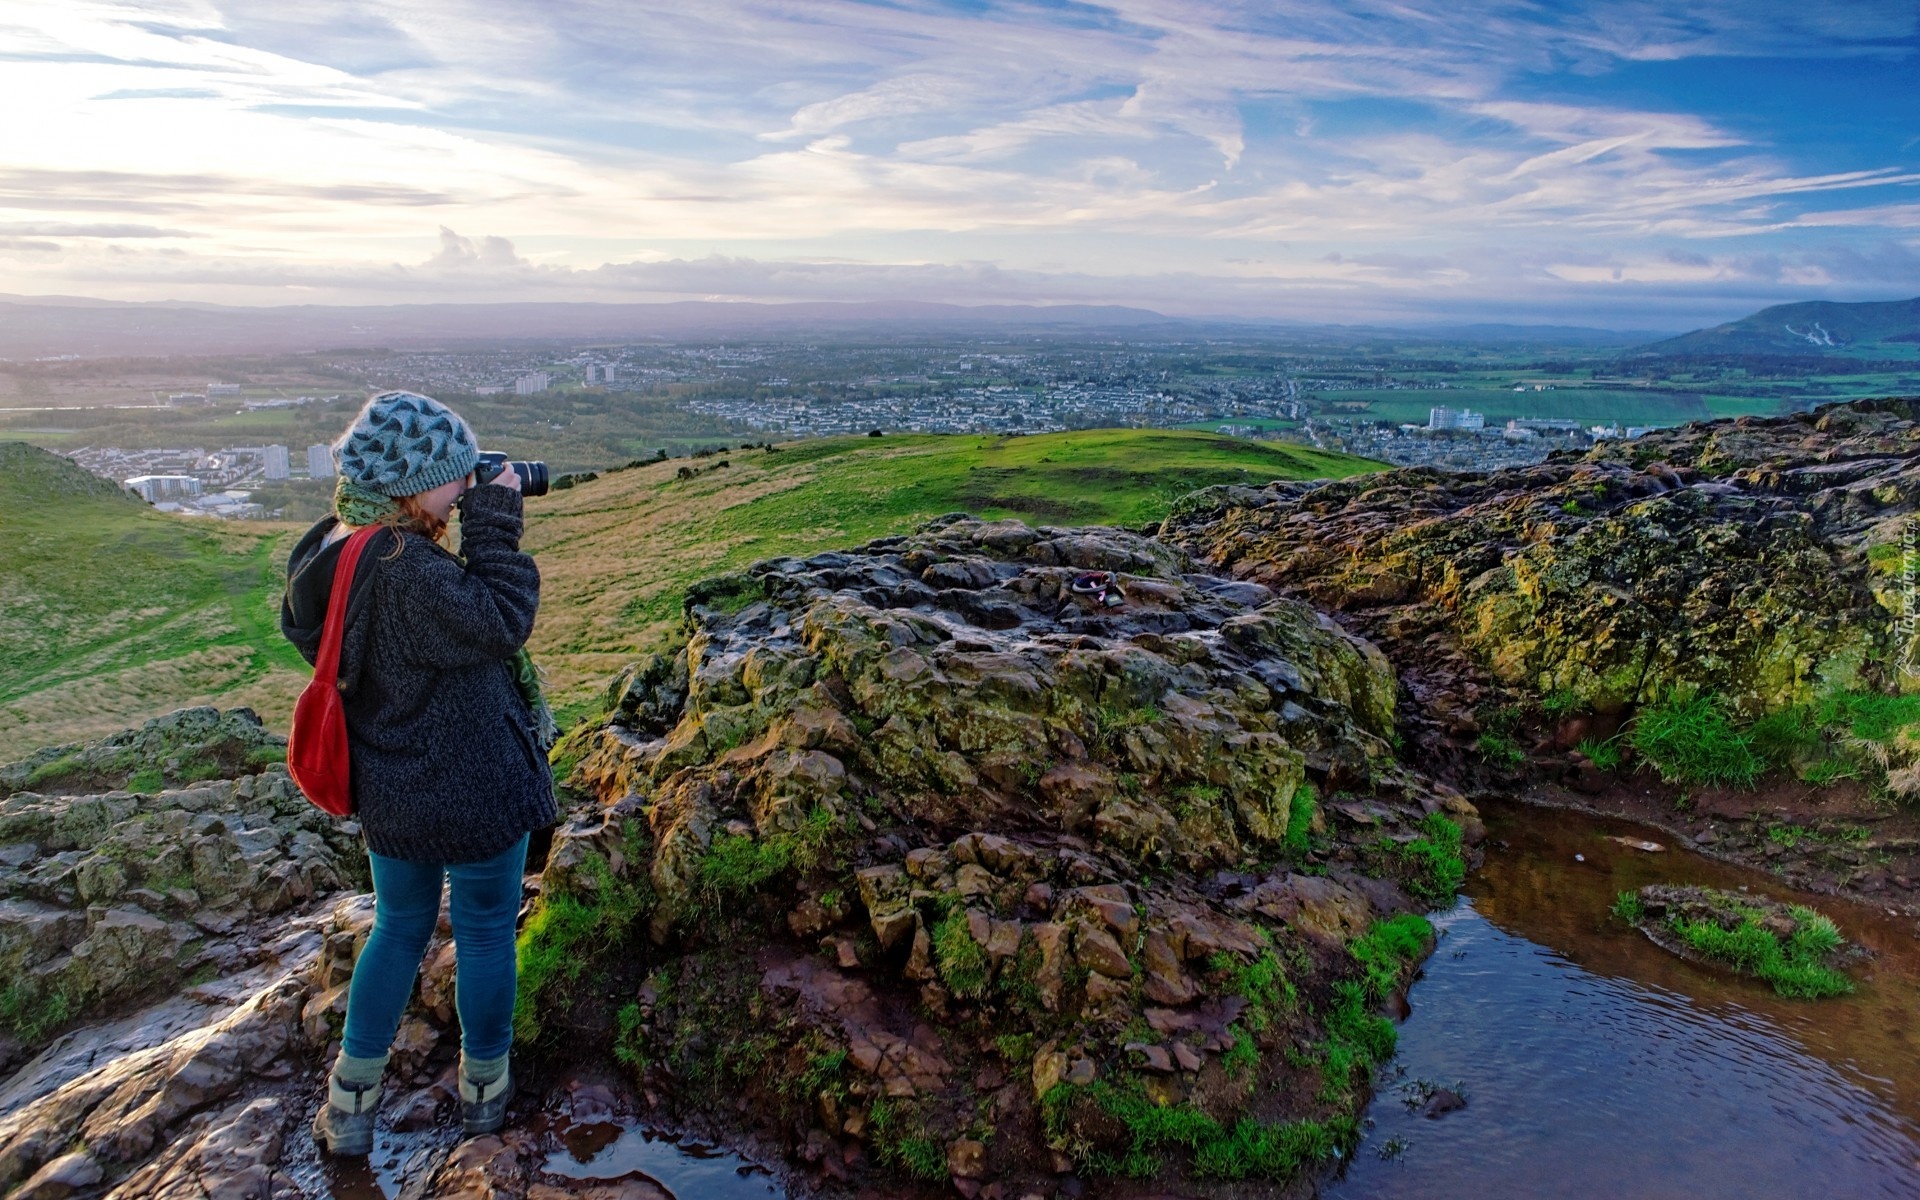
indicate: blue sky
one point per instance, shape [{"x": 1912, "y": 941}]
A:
[{"x": 1632, "y": 164}]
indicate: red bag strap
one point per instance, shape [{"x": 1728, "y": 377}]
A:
[{"x": 327, "y": 665}]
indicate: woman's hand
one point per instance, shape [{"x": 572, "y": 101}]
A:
[{"x": 507, "y": 478}]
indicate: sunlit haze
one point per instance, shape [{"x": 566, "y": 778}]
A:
[{"x": 1643, "y": 165}]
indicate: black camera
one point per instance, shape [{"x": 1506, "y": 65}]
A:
[{"x": 533, "y": 475}]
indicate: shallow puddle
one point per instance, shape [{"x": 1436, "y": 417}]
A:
[
  {"x": 1595, "y": 1064},
  {"x": 686, "y": 1170}
]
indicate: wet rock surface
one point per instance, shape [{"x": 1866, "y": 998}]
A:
[
  {"x": 107, "y": 899},
  {"x": 932, "y": 846},
  {"x": 1532, "y": 610}
]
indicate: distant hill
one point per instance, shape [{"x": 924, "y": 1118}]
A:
[
  {"x": 111, "y": 612},
  {"x": 1874, "y": 329}
]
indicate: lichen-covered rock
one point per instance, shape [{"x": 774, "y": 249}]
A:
[
  {"x": 956, "y": 676},
  {"x": 186, "y": 746},
  {"x": 106, "y": 898},
  {"x": 926, "y": 837},
  {"x": 1733, "y": 557}
]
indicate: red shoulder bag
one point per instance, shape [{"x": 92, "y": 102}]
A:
[{"x": 317, "y": 745}]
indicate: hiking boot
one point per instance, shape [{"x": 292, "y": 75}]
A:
[
  {"x": 347, "y": 1133},
  {"x": 483, "y": 1106}
]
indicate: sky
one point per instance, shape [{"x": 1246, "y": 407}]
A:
[{"x": 1640, "y": 164}]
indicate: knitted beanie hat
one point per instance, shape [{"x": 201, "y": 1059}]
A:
[{"x": 403, "y": 443}]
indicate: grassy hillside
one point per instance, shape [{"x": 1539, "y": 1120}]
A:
[
  {"x": 114, "y": 612},
  {"x": 111, "y": 612},
  {"x": 616, "y": 554}
]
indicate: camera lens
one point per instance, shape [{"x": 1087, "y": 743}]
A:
[{"x": 534, "y": 479}]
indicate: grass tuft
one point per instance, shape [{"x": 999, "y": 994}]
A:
[
  {"x": 1792, "y": 967},
  {"x": 1603, "y": 753},
  {"x": 32, "y": 1013},
  {"x": 1629, "y": 907},
  {"x": 1693, "y": 741},
  {"x": 1296, "y": 841},
  {"x": 961, "y": 961},
  {"x": 1248, "y": 1149},
  {"x": 736, "y": 867},
  {"x": 1434, "y": 864}
]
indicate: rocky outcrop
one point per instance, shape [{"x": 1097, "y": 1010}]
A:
[
  {"x": 187, "y": 746},
  {"x": 1760, "y": 569},
  {"x": 1735, "y": 558},
  {"x": 109, "y": 898},
  {"x": 955, "y": 680},
  {"x": 920, "y": 833},
  {"x": 208, "y": 1093}
]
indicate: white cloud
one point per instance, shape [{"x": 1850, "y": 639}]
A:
[{"x": 1178, "y": 136}]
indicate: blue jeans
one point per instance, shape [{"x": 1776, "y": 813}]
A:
[{"x": 484, "y": 905}]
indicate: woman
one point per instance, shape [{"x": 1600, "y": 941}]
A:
[{"x": 447, "y": 769}]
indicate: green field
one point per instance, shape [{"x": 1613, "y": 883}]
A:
[
  {"x": 111, "y": 612},
  {"x": 1589, "y": 405},
  {"x": 114, "y": 612}
]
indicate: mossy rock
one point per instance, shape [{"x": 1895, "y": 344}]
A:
[{"x": 191, "y": 745}]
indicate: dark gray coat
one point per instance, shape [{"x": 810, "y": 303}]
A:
[{"x": 445, "y": 763}]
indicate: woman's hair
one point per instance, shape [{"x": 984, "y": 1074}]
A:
[{"x": 409, "y": 517}]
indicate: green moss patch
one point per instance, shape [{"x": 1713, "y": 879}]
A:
[
  {"x": 566, "y": 932},
  {"x": 1790, "y": 946},
  {"x": 1245, "y": 1149},
  {"x": 1432, "y": 866}
]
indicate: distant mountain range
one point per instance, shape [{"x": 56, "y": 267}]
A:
[
  {"x": 1817, "y": 327},
  {"x": 39, "y": 326},
  {"x": 42, "y": 326}
]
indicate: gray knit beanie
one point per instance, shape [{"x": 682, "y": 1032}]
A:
[{"x": 403, "y": 443}]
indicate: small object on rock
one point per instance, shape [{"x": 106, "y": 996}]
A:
[
  {"x": 1639, "y": 844},
  {"x": 1579, "y": 858},
  {"x": 966, "y": 1159},
  {"x": 1155, "y": 1057},
  {"x": 1442, "y": 1102},
  {"x": 1104, "y": 584}
]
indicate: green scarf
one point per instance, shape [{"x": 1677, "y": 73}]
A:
[{"x": 358, "y": 505}]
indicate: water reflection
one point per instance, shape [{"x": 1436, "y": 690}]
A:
[
  {"x": 1597, "y": 1065},
  {"x": 683, "y": 1169}
]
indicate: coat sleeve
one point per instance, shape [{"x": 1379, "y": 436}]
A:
[{"x": 453, "y": 615}]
